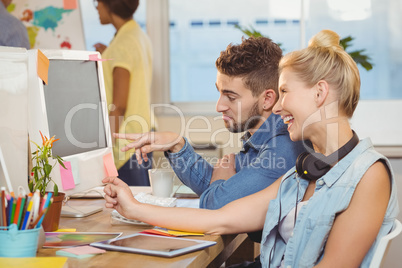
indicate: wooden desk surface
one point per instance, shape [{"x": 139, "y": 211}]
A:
[{"x": 100, "y": 222}]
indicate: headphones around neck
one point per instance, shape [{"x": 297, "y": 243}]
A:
[{"x": 312, "y": 166}]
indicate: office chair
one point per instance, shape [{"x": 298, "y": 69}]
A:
[{"x": 384, "y": 244}]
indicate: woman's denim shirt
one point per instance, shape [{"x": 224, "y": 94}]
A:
[{"x": 332, "y": 195}]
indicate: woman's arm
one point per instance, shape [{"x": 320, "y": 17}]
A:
[
  {"x": 121, "y": 88},
  {"x": 355, "y": 229},
  {"x": 243, "y": 215}
]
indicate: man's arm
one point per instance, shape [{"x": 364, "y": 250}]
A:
[
  {"x": 193, "y": 170},
  {"x": 145, "y": 143}
]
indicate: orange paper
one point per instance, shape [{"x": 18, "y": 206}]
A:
[
  {"x": 70, "y": 4},
  {"x": 110, "y": 167},
  {"x": 43, "y": 66}
]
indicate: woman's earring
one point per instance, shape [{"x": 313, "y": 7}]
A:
[{"x": 263, "y": 107}]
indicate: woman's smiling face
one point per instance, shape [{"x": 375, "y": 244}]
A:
[{"x": 296, "y": 104}]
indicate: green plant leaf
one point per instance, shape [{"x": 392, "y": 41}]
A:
[
  {"x": 31, "y": 186},
  {"x": 47, "y": 168},
  {"x": 55, "y": 190}
]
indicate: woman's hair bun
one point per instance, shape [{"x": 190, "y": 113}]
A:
[{"x": 325, "y": 38}]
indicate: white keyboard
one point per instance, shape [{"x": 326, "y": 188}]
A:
[
  {"x": 146, "y": 198},
  {"x": 155, "y": 200}
]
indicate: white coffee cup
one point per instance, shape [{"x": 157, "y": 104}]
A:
[{"x": 161, "y": 182}]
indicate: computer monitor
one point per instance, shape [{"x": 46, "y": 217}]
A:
[
  {"x": 14, "y": 118},
  {"x": 73, "y": 107}
]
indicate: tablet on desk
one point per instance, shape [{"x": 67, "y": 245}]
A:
[{"x": 162, "y": 246}]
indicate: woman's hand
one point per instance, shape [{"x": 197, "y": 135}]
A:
[
  {"x": 100, "y": 47},
  {"x": 119, "y": 196}
]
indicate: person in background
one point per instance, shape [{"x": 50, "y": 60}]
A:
[
  {"x": 13, "y": 33},
  {"x": 338, "y": 201},
  {"x": 247, "y": 80},
  {"x": 128, "y": 75}
]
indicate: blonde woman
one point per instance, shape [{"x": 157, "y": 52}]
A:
[{"x": 333, "y": 210}]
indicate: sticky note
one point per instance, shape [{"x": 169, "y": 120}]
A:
[
  {"x": 66, "y": 230},
  {"x": 71, "y": 255},
  {"x": 67, "y": 180},
  {"x": 94, "y": 57},
  {"x": 110, "y": 167},
  {"x": 43, "y": 66},
  {"x": 84, "y": 250},
  {"x": 70, "y": 4},
  {"x": 42, "y": 262},
  {"x": 76, "y": 171}
]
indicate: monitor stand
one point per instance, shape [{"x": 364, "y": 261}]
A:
[{"x": 79, "y": 211}]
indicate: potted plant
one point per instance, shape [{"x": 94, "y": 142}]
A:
[
  {"x": 43, "y": 163},
  {"x": 357, "y": 55}
]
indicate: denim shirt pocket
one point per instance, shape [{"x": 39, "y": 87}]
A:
[{"x": 316, "y": 233}]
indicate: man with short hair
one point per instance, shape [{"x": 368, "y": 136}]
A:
[{"x": 247, "y": 81}]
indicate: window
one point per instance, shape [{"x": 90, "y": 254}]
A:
[
  {"x": 197, "y": 35},
  {"x": 94, "y": 32}
]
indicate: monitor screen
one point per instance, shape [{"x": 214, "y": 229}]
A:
[{"x": 73, "y": 105}]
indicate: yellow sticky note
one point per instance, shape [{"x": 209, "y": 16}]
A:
[
  {"x": 36, "y": 262},
  {"x": 43, "y": 66},
  {"x": 66, "y": 230},
  {"x": 180, "y": 233}
]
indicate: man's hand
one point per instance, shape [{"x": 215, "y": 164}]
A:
[
  {"x": 151, "y": 141},
  {"x": 224, "y": 169}
]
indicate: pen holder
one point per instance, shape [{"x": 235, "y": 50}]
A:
[{"x": 18, "y": 243}]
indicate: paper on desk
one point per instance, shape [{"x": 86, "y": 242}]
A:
[
  {"x": 84, "y": 250},
  {"x": 40, "y": 262},
  {"x": 71, "y": 255}
]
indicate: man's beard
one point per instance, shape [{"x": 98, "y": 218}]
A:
[{"x": 252, "y": 120}]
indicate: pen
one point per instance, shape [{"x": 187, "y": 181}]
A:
[
  {"x": 36, "y": 204},
  {"x": 22, "y": 211},
  {"x": 10, "y": 210},
  {"x": 3, "y": 206},
  {"x": 49, "y": 199},
  {"x": 42, "y": 203},
  {"x": 37, "y": 222},
  {"x": 28, "y": 215},
  {"x": 17, "y": 210}
]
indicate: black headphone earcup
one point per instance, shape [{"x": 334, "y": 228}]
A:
[
  {"x": 299, "y": 164},
  {"x": 311, "y": 166}
]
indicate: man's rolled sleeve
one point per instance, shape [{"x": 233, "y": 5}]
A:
[{"x": 191, "y": 168}]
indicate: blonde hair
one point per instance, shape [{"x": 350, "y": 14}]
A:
[{"x": 325, "y": 59}]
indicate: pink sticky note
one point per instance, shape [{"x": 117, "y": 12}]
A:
[
  {"x": 67, "y": 179},
  {"x": 110, "y": 167},
  {"x": 94, "y": 57},
  {"x": 70, "y": 4},
  {"x": 84, "y": 250}
]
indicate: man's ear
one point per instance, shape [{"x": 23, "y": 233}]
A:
[
  {"x": 321, "y": 92},
  {"x": 269, "y": 97}
]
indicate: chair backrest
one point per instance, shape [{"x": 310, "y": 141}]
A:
[{"x": 384, "y": 244}]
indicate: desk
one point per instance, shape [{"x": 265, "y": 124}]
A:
[{"x": 100, "y": 222}]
